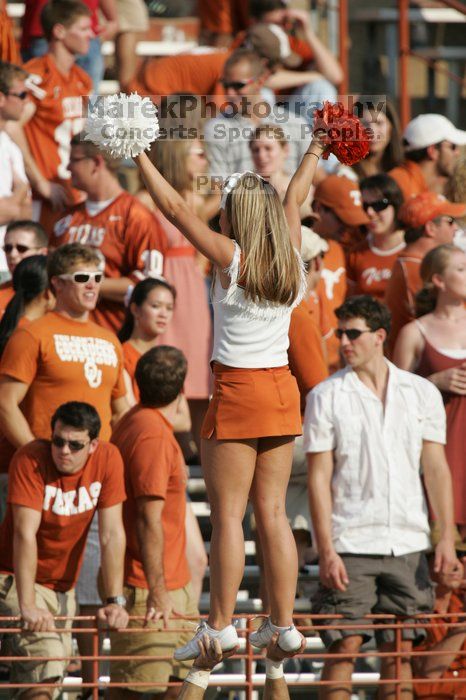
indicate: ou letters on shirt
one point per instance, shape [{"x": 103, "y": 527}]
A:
[{"x": 90, "y": 351}]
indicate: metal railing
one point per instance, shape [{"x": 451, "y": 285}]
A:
[
  {"x": 405, "y": 52},
  {"x": 248, "y": 680}
]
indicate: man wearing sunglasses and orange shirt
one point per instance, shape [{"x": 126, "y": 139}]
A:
[
  {"x": 61, "y": 357},
  {"x": 56, "y": 486}
]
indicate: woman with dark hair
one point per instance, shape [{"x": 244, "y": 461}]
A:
[
  {"x": 32, "y": 296},
  {"x": 370, "y": 263},
  {"x": 434, "y": 346},
  {"x": 149, "y": 312}
]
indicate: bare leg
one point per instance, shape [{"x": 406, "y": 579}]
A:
[
  {"x": 228, "y": 468},
  {"x": 268, "y": 493},
  {"x": 388, "y": 670},
  {"x": 340, "y": 670},
  {"x": 197, "y": 409},
  {"x": 38, "y": 693},
  {"x": 263, "y": 592},
  {"x": 195, "y": 552}
]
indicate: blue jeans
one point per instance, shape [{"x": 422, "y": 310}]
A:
[{"x": 92, "y": 62}]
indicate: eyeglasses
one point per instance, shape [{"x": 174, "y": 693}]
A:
[
  {"x": 74, "y": 445},
  {"x": 82, "y": 277},
  {"x": 237, "y": 85},
  {"x": 20, "y": 95},
  {"x": 9, "y": 247},
  {"x": 378, "y": 205},
  {"x": 351, "y": 333}
]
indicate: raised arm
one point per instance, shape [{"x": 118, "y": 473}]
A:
[
  {"x": 298, "y": 189},
  {"x": 218, "y": 249}
]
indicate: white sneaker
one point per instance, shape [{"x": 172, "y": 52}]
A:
[
  {"x": 227, "y": 637},
  {"x": 289, "y": 638}
]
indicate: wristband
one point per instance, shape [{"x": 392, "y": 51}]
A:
[
  {"x": 199, "y": 677},
  {"x": 311, "y": 153},
  {"x": 273, "y": 669}
]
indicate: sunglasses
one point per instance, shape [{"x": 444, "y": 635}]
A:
[
  {"x": 9, "y": 247},
  {"x": 74, "y": 445},
  {"x": 351, "y": 333},
  {"x": 19, "y": 95},
  {"x": 236, "y": 85},
  {"x": 378, "y": 205},
  {"x": 82, "y": 277}
]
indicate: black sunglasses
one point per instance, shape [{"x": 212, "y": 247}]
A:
[
  {"x": 236, "y": 85},
  {"x": 378, "y": 205},
  {"x": 351, "y": 333},
  {"x": 74, "y": 445},
  {"x": 9, "y": 247},
  {"x": 19, "y": 95}
]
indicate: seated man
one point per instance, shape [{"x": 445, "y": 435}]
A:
[
  {"x": 157, "y": 578},
  {"x": 55, "y": 487},
  {"x": 367, "y": 430},
  {"x": 449, "y": 600}
]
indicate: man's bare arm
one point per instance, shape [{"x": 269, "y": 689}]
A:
[
  {"x": 26, "y": 523},
  {"x": 112, "y": 558},
  {"x": 13, "y": 424}
]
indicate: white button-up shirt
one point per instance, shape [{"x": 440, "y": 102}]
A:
[{"x": 378, "y": 500}]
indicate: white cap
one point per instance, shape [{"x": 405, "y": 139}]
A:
[
  {"x": 312, "y": 245},
  {"x": 427, "y": 129}
]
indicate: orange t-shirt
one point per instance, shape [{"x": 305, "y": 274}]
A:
[
  {"x": 6, "y": 295},
  {"x": 58, "y": 117},
  {"x": 438, "y": 690},
  {"x": 130, "y": 239},
  {"x": 67, "y": 503},
  {"x": 409, "y": 178},
  {"x": 305, "y": 352},
  {"x": 403, "y": 286},
  {"x": 223, "y": 16},
  {"x": 196, "y": 74},
  {"x": 154, "y": 467},
  {"x": 369, "y": 269},
  {"x": 130, "y": 359},
  {"x": 332, "y": 292},
  {"x": 64, "y": 360}
]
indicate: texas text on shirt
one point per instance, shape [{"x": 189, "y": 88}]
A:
[
  {"x": 61, "y": 359},
  {"x": 128, "y": 235},
  {"x": 58, "y": 117},
  {"x": 371, "y": 444},
  {"x": 67, "y": 503}
]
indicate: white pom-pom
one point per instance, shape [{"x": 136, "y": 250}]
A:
[{"x": 122, "y": 125}]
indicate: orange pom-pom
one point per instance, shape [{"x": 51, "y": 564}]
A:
[{"x": 344, "y": 134}]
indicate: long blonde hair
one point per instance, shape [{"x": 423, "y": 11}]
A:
[
  {"x": 270, "y": 267},
  {"x": 435, "y": 262},
  {"x": 169, "y": 157}
]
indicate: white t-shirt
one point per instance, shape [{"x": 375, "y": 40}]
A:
[
  {"x": 12, "y": 164},
  {"x": 378, "y": 504},
  {"x": 246, "y": 334}
]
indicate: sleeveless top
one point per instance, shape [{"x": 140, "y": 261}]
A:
[{"x": 247, "y": 334}]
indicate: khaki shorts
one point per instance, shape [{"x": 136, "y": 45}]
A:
[
  {"x": 155, "y": 672},
  {"x": 132, "y": 16},
  {"x": 377, "y": 584},
  {"x": 31, "y": 644}
]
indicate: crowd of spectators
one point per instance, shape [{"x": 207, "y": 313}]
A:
[{"x": 106, "y": 336}]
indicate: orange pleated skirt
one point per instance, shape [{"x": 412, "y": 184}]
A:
[{"x": 252, "y": 403}]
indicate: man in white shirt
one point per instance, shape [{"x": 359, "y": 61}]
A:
[
  {"x": 15, "y": 196},
  {"x": 367, "y": 430}
]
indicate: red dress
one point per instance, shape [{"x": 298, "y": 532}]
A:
[{"x": 431, "y": 361}]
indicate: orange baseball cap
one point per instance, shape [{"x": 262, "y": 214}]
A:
[
  {"x": 426, "y": 206},
  {"x": 343, "y": 196}
]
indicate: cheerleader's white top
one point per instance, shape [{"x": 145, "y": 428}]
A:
[{"x": 246, "y": 334}]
